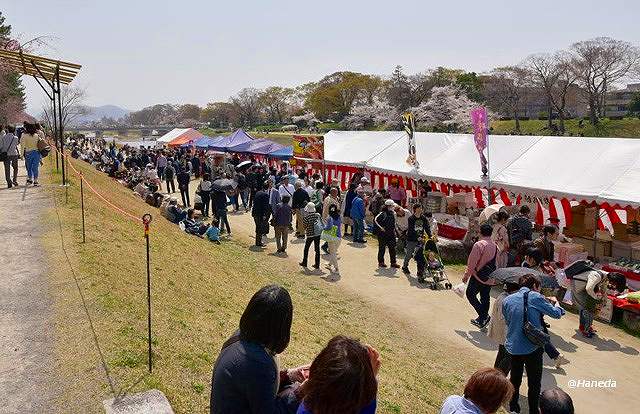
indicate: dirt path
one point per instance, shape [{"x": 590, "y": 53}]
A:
[
  {"x": 26, "y": 344},
  {"x": 614, "y": 354}
]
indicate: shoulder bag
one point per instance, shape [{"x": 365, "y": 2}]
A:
[
  {"x": 4, "y": 154},
  {"x": 485, "y": 271},
  {"x": 537, "y": 336}
]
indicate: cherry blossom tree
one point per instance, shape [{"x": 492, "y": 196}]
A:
[{"x": 447, "y": 109}]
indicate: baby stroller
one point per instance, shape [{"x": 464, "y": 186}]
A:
[{"x": 436, "y": 276}]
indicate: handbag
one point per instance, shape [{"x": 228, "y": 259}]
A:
[{"x": 536, "y": 335}]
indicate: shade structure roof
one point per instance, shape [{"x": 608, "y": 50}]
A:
[
  {"x": 258, "y": 146},
  {"x": 591, "y": 169},
  {"x": 238, "y": 137},
  {"x": 283, "y": 153},
  {"x": 39, "y": 66}
]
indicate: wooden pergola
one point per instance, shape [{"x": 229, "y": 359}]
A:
[{"x": 54, "y": 73}]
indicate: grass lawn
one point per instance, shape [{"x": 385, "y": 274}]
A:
[
  {"x": 199, "y": 291},
  {"x": 622, "y": 128}
]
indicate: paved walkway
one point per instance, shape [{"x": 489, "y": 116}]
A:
[
  {"x": 26, "y": 328},
  {"x": 614, "y": 354}
]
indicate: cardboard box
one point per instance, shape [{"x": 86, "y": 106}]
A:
[
  {"x": 603, "y": 248},
  {"x": 620, "y": 232}
]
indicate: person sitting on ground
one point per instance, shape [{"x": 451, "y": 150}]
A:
[
  {"x": 523, "y": 352},
  {"x": 213, "y": 232},
  {"x": 556, "y": 401},
  {"x": 174, "y": 213},
  {"x": 193, "y": 226},
  {"x": 485, "y": 392},
  {"x": 245, "y": 375},
  {"x": 342, "y": 379}
]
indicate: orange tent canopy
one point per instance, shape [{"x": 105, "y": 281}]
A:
[{"x": 184, "y": 138}]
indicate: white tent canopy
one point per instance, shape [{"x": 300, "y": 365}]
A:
[
  {"x": 171, "y": 135},
  {"x": 592, "y": 169}
]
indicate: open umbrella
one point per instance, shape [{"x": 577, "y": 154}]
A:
[
  {"x": 243, "y": 164},
  {"x": 488, "y": 212},
  {"x": 224, "y": 184}
]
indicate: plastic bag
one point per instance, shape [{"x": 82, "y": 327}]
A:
[{"x": 460, "y": 289}]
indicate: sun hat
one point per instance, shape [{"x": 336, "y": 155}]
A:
[
  {"x": 310, "y": 208},
  {"x": 389, "y": 203},
  {"x": 364, "y": 180}
]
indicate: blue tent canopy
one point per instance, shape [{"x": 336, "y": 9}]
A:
[
  {"x": 258, "y": 146},
  {"x": 198, "y": 143},
  {"x": 224, "y": 143},
  {"x": 284, "y": 153}
]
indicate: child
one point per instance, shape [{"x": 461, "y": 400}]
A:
[{"x": 213, "y": 232}]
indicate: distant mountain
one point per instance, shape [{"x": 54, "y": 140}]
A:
[{"x": 96, "y": 113}]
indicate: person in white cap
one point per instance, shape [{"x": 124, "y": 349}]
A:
[{"x": 385, "y": 226}]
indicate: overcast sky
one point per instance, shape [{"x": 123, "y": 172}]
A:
[{"x": 137, "y": 53}]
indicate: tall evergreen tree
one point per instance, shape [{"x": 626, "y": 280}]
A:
[{"x": 12, "y": 95}]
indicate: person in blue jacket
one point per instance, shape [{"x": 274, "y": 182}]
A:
[
  {"x": 357, "y": 214},
  {"x": 523, "y": 352},
  {"x": 342, "y": 379}
]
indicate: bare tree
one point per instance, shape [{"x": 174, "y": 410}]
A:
[
  {"x": 72, "y": 107},
  {"x": 507, "y": 90},
  {"x": 276, "y": 102},
  {"x": 247, "y": 103},
  {"x": 553, "y": 74},
  {"x": 599, "y": 64}
]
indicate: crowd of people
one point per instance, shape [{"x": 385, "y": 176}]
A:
[{"x": 295, "y": 203}]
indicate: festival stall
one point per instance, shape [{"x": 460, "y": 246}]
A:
[{"x": 225, "y": 143}]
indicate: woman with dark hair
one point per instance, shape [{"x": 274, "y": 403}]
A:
[
  {"x": 342, "y": 379},
  {"x": 32, "y": 157},
  {"x": 486, "y": 391},
  {"x": 246, "y": 376}
]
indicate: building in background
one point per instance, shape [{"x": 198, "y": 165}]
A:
[{"x": 617, "y": 105}]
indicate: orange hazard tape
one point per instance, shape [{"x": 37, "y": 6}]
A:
[{"x": 100, "y": 196}]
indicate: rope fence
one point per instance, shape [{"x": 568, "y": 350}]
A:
[{"x": 145, "y": 220}]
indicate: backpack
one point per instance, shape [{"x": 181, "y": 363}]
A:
[
  {"x": 578, "y": 267},
  {"x": 316, "y": 198}
]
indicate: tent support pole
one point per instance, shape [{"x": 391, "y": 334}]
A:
[{"x": 595, "y": 231}]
